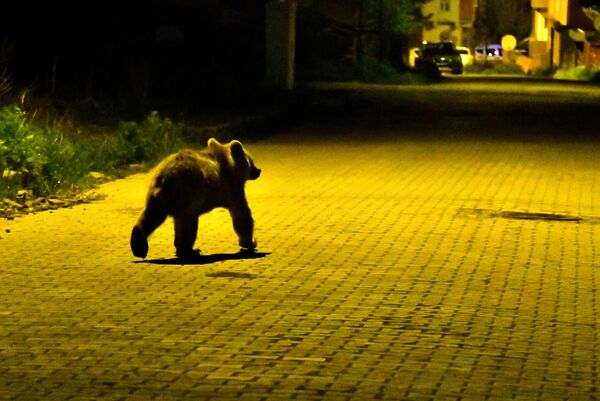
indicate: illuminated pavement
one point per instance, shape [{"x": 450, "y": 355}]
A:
[{"x": 393, "y": 272}]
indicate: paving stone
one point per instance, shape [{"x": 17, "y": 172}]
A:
[{"x": 390, "y": 273}]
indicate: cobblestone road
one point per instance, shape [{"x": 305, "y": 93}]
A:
[{"x": 392, "y": 270}]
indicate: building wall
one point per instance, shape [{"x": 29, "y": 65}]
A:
[
  {"x": 467, "y": 12},
  {"x": 591, "y": 56},
  {"x": 539, "y": 46},
  {"x": 445, "y": 21},
  {"x": 555, "y": 23},
  {"x": 539, "y": 30},
  {"x": 558, "y": 11}
]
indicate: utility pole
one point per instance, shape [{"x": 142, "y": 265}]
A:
[
  {"x": 280, "y": 41},
  {"x": 359, "y": 41}
]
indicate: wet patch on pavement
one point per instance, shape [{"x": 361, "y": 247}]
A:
[
  {"x": 516, "y": 215},
  {"x": 539, "y": 216},
  {"x": 229, "y": 274}
]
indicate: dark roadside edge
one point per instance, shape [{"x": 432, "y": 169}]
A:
[{"x": 272, "y": 111}]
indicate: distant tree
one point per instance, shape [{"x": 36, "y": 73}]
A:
[
  {"x": 496, "y": 18},
  {"x": 388, "y": 18},
  {"x": 402, "y": 17}
]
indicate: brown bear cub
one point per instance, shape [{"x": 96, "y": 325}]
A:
[{"x": 189, "y": 183}]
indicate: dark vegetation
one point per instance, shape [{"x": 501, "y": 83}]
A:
[
  {"x": 134, "y": 54},
  {"x": 492, "y": 68},
  {"x": 81, "y": 82},
  {"x": 47, "y": 158}
]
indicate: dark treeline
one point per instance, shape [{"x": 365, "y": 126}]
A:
[{"x": 138, "y": 51}]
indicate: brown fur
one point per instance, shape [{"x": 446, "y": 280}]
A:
[{"x": 190, "y": 183}]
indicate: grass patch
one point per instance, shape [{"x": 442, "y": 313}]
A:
[
  {"x": 44, "y": 160},
  {"x": 580, "y": 73},
  {"x": 546, "y": 72},
  {"x": 369, "y": 71},
  {"x": 494, "y": 68}
]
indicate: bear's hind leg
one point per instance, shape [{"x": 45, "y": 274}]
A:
[
  {"x": 186, "y": 230},
  {"x": 152, "y": 217},
  {"x": 138, "y": 242}
]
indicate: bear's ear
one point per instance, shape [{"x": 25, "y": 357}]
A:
[
  {"x": 214, "y": 144},
  {"x": 237, "y": 150}
]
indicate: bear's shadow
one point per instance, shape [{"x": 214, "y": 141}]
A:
[{"x": 207, "y": 259}]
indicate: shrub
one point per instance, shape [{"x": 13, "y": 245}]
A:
[
  {"x": 150, "y": 140},
  {"x": 370, "y": 71},
  {"x": 490, "y": 68},
  {"x": 507, "y": 68},
  {"x": 34, "y": 158},
  {"x": 546, "y": 72},
  {"x": 45, "y": 161},
  {"x": 580, "y": 73},
  {"x": 329, "y": 71},
  {"x": 418, "y": 77},
  {"x": 375, "y": 71}
]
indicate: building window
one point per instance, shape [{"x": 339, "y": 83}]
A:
[{"x": 445, "y": 5}]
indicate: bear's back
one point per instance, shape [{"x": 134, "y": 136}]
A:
[
  {"x": 186, "y": 165},
  {"x": 187, "y": 179}
]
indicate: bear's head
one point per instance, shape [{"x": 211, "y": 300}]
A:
[{"x": 243, "y": 164}]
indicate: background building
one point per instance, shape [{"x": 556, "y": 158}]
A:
[
  {"x": 563, "y": 35},
  {"x": 449, "y": 20}
]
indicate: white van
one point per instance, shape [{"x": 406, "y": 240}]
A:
[{"x": 493, "y": 52}]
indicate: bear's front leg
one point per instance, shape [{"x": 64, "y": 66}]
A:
[
  {"x": 243, "y": 224},
  {"x": 186, "y": 229}
]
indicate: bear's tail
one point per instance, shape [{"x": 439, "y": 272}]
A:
[{"x": 138, "y": 242}]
